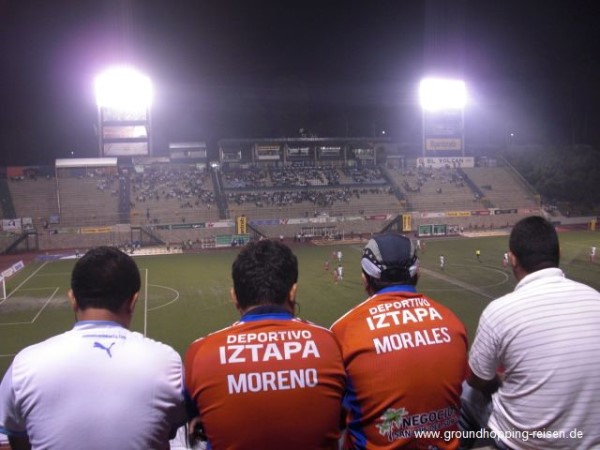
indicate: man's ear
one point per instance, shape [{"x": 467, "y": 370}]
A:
[
  {"x": 132, "y": 302},
  {"x": 513, "y": 259},
  {"x": 72, "y": 300},
  {"x": 293, "y": 292},
  {"x": 292, "y": 295},
  {"x": 366, "y": 284},
  {"x": 235, "y": 300}
]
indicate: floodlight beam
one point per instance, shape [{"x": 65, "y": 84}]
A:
[
  {"x": 438, "y": 94},
  {"x": 123, "y": 88}
]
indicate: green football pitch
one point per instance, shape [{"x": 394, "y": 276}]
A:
[{"x": 186, "y": 296}]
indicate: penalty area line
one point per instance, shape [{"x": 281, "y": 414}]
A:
[
  {"x": 45, "y": 304},
  {"x": 24, "y": 281},
  {"x": 32, "y": 321}
]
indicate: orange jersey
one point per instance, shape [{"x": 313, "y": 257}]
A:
[
  {"x": 406, "y": 357},
  {"x": 270, "y": 381}
]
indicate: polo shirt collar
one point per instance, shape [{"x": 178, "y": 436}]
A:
[{"x": 542, "y": 274}]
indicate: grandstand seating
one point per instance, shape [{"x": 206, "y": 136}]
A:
[
  {"x": 434, "y": 189},
  {"x": 172, "y": 194},
  {"x": 308, "y": 192},
  {"x": 49, "y": 241},
  {"x": 36, "y": 198},
  {"x": 502, "y": 187},
  {"x": 314, "y": 203},
  {"x": 88, "y": 201},
  {"x": 180, "y": 202}
]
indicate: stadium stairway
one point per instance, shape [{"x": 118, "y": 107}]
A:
[{"x": 8, "y": 208}]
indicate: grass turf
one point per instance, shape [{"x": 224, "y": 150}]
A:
[{"x": 187, "y": 296}]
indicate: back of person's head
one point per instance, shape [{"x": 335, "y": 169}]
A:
[
  {"x": 534, "y": 242},
  {"x": 105, "y": 278},
  {"x": 389, "y": 259},
  {"x": 264, "y": 273}
]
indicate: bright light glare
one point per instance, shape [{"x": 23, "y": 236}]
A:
[
  {"x": 438, "y": 94},
  {"x": 123, "y": 88}
]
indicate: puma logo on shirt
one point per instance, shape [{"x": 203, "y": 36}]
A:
[{"x": 107, "y": 349}]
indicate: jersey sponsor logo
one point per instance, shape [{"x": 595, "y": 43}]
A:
[
  {"x": 101, "y": 346},
  {"x": 278, "y": 351},
  {"x": 400, "y": 424},
  {"x": 279, "y": 380}
]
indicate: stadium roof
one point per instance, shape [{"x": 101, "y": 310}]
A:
[{"x": 86, "y": 162}]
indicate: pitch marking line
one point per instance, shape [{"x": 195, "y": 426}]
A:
[
  {"x": 24, "y": 281},
  {"x": 455, "y": 282},
  {"x": 175, "y": 298},
  {"x": 32, "y": 321},
  {"x": 146, "y": 292},
  {"x": 45, "y": 304}
]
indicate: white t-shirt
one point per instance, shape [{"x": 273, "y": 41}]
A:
[
  {"x": 97, "y": 386},
  {"x": 546, "y": 336}
]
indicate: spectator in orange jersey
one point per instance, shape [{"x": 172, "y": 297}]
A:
[
  {"x": 271, "y": 380},
  {"x": 405, "y": 356}
]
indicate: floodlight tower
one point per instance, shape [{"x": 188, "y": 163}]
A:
[
  {"x": 124, "y": 100},
  {"x": 443, "y": 104}
]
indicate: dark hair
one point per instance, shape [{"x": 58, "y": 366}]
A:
[
  {"x": 105, "y": 278},
  {"x": 263, "y": 273},
  {"x": 534, "y": 242}
]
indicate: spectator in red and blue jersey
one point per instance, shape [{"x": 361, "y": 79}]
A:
[
  {"x": 405, "y": 355},
  {"x": 271, "y": 380}
]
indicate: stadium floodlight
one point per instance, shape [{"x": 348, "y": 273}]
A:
[
  {"x": 124, "y": 100},
  {"x": 123, "y": 88},
  {"x": 438, "y": 94}
]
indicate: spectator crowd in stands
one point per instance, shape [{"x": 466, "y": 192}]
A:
[
  {"x": 297, "y": 175},
  {"x": 184, "y": 184}
]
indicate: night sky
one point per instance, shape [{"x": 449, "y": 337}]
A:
[{"x": 245, "y": 69}]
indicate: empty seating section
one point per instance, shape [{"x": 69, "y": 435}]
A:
[
  {"x": 502, "y": 187},
  {"x": 427, "y": 189},
  {"x": 172, "y": 194},
  {"x": 88, "y": 200},
  {"x": 35, "y": 198},
  {"x": 79, "y": 240}
]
